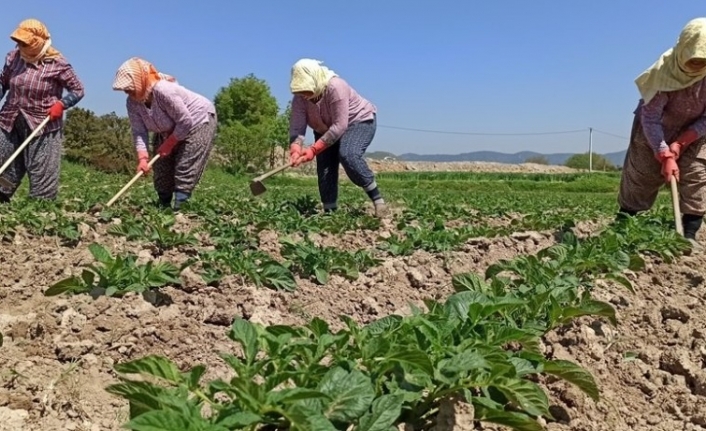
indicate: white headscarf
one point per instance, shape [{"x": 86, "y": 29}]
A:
[
  {"x": 310, "y": 75},
  {"x": 669, "y": 72}
]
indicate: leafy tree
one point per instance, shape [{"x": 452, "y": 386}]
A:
[
  {"x": 103, "y": 142},
  {"x": 250, "y": 128},
  {"x": 247, "y": 101},
  {"x": 581, "y": 161}
]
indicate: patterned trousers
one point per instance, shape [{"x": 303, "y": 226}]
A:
[
  {"x": 348, "y": 152},
  {"x": 641, "y": 178},
  {"x": 40, "y": 160},
  {"x": 182, "y": 169}
]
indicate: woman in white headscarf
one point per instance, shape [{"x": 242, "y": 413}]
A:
[
  {"x": 668, "y": 131},
  {"x": 344, "y": 125}
]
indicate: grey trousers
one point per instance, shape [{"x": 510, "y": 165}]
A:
[
  {"x": 348, "y": 152},
  {"x": 182, "y": 169},
  {"x": 40, "y": 160}
]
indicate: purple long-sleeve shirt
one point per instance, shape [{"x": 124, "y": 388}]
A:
[
  {"x": 670, "y": 113},
  {"x": 174, "y": 109},
  {"x": 330, "y": 116}
]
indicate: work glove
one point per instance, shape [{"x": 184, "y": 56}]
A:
[
  {"x": 143, "y": 162},
  {"x": 682, "y": 142},
  {"x": 56, "y": 110},
  {"x": 167, "y": 146},
  {"x": 295, "y": 151},
  {"x": 311, "y": 152},
  {"x": 669, "y": 165}
]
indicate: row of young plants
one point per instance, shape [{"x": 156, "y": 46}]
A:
[
  {"x": 225, "y": 245},
  {"x": 481, "y": 345}
]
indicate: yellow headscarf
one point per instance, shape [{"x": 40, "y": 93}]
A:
[
  {"x": 669, "y": 72},
  {"x": 310, "y": 75},
  {"x": 139, "y": 76},
  {"x": 35, "y": 35}
]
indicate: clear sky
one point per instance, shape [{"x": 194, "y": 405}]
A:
[{"x": 497, "y": 66}]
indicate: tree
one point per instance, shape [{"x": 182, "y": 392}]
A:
[
  {"x": 280, "y": 137},
  {"x": 247, "y": 101},
  {"x": 540, "y": 160},
  {"x": 250, "y": 129},
  {"x": 104, "y": 142},
  {"x": 581, "y": 161}
]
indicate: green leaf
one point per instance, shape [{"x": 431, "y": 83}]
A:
[
  {"x": 65, "y": 285},
  {"x": 231, "y": 418},
  {"x": 244, "y": 332},
  {"x": 351, "y": 394},
  {"x": 591, "y": 307},
  {"x": 100, "y": 253},
  {"x": 462, "y": 363},
  {"x": 637, "y": 263},
  {"x": 468, "y": 281},
  {"x": 88, "y": 277},
  {"x": 575, "y": 374},
  {"x": 413, "y": 357},
  {"x": 153, "y": 365},
  {"x": 525, "y": 394},
  {"x": 383, "y": 325},
  {"x": 321, "y": 275},
  {"x": 385, "y": 412},
  {"x": 516, "y": 421},
  {"x": 459, "y": 304},
  {"x": 142, "y": 396},
  {"x": 194, "y": 376},
  {"x": 161, "y": 420}
]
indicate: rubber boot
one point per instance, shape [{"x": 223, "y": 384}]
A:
[
  {"x": 165, "y": 200},
  {"x": 180, "y": 198}
]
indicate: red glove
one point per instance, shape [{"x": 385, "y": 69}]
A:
[
  {"x": 669, "y": 165},
  {"x": 309, "y": 154},
  {"x": 682, "y": 142},
  {"x": 56, "y": 110},
  {"x": 167, "y": 146},
  {"x": 143, "y": 164},
  {"x": 295, "y": 150}
]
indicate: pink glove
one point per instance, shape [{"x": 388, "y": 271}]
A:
[
  {"x": 669, "y": 165},
  {"x": 143, "y": 164},
  {"x": 167, "y": 146},
  {"x": 682, "y": 142},
  {"x": 295, "y": 150},
  {"x": 56, "y": 110},
  {"x": 309, "y": 154}
]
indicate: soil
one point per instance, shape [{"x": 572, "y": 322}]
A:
[
  {"x": 58, "y": 352},
  {"x": 399, "y": 166}
]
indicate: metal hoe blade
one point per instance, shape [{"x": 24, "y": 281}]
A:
[{"x": 257, "y": 188}]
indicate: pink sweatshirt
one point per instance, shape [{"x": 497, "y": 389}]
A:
[{"x": 331, "y": 115}]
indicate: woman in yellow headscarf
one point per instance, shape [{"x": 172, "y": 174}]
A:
[
  {"x": 34, "y": 78},
  {"x": 668, "y": 131},
  {"x": 344, "y": 125}
]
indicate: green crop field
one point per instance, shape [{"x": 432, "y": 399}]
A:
[{"x": 261, "y": 313}]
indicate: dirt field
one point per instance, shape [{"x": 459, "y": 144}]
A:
[{"x": 58, "y": 351}]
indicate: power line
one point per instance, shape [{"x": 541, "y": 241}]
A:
[
  {"x": 610, "y": 134},
  {"x": 448, "y": 132}
]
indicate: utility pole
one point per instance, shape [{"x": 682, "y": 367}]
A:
[{"x": 590, "y": 149}]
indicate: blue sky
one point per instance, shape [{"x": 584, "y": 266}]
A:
[{"x": 496, "y": 66}]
